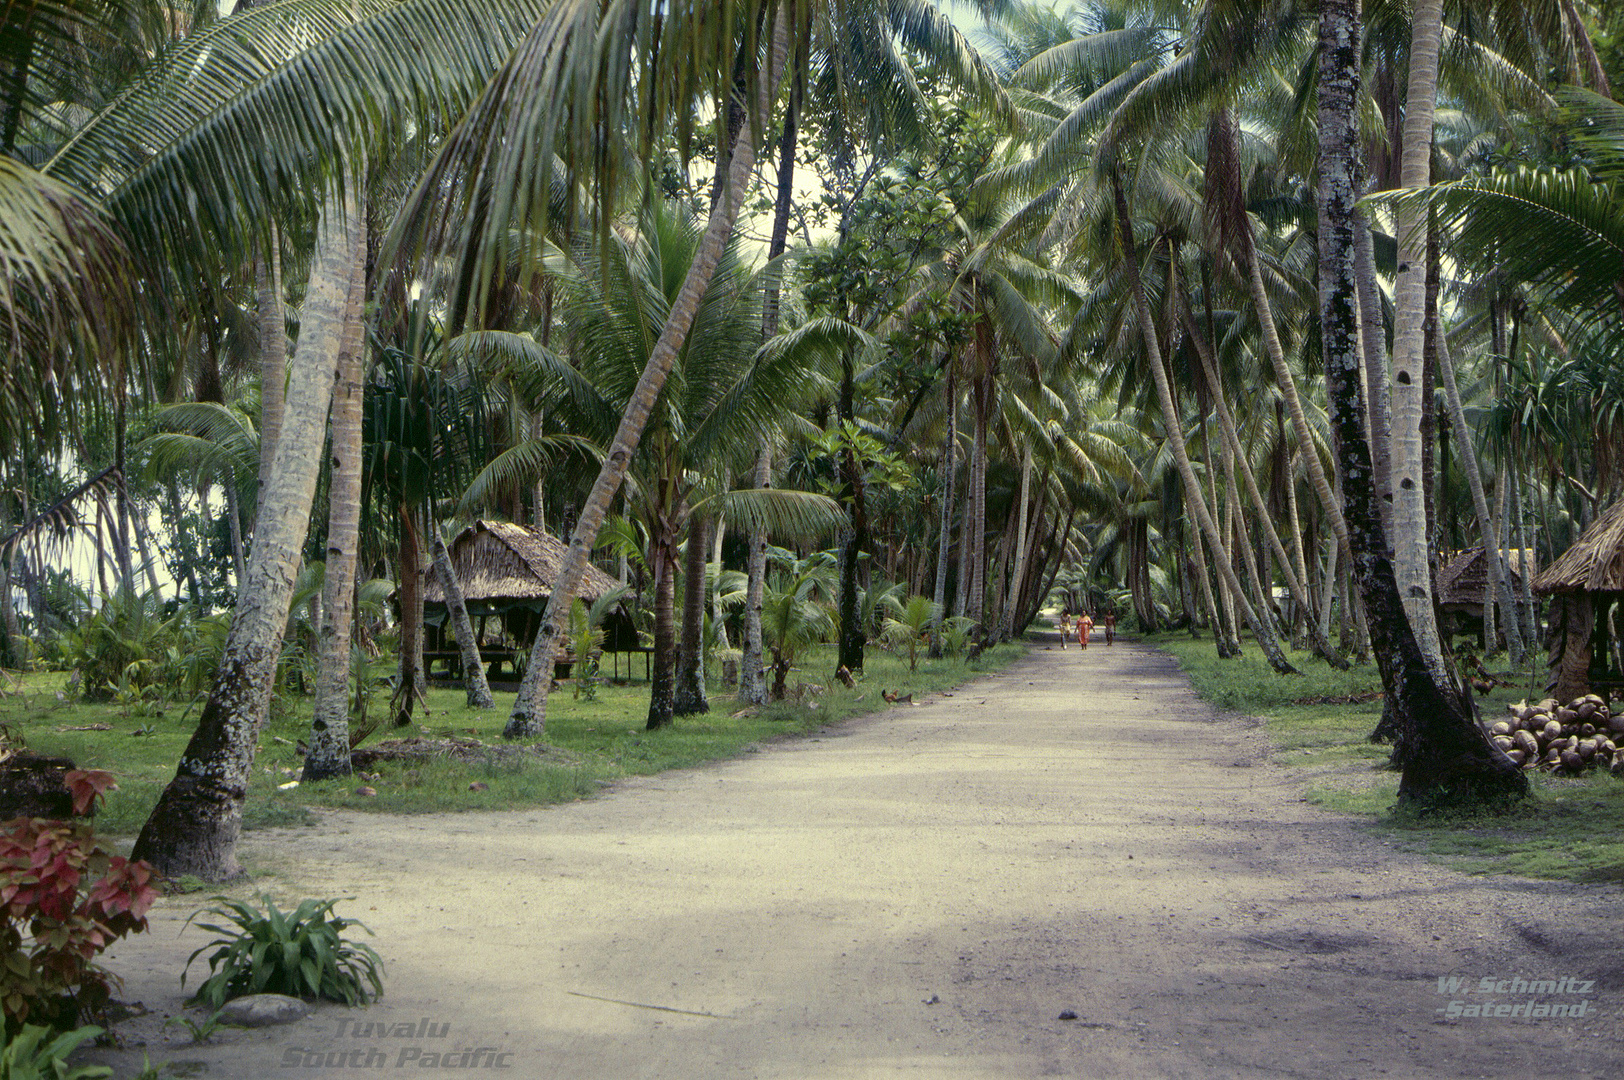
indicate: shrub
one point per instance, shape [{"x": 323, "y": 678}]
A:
[
  {"x": 64, "y": 898},
  {"x": 300, "y": 953},
  {"x": 33, "y": 1055}
]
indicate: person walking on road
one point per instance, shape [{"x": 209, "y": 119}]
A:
[
  {"x": 1065, "y": 626},
  {"x": 1085, "y": 625},
  {"x": 1110, "y": 625}
]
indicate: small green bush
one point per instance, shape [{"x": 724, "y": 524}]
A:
[
  {"x": 301, "y": 953},
  {"x": 34, "y": 1055}
]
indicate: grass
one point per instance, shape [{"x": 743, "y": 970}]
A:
[
  {"x": 589, "y": 744},
  {"x": 1568, "y": 829}
]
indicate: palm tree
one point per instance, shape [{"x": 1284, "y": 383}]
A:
[
  {"x": 726, "y": 391},
  {"x": 328, "y": 754},
  {"x": 908, "y": 623},
  {"x": 1443, "y": 753},
  {"x": 194, "y": 827},
  {"x": 796, "y": 613}
]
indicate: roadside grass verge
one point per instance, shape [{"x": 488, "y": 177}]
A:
[
  {"x": 588, "y": 745},
  {"x": 1319, "y": 723}
]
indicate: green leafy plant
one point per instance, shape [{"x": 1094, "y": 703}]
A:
[
  {"x": 64, "y": 897},
  {"x": 116, "y": 649},
  {"x": 908, "y": 623},
  {"x": 201, "y": 1031},
  {"x": 302, "y": 953},
  {"x": 956, "y": 635},
  {"x": 32, "y": 1054}
]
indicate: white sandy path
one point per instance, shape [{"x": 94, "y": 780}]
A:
[{"x": 921, "y": 894}]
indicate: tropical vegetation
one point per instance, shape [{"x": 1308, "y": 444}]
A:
[{"x": 1237, "y": 316}]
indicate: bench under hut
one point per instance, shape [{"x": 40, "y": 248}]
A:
[
  {"x": 507, "y": 573},
  {"x": 1585, "y": 586}
]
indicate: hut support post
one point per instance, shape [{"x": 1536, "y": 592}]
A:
[{"x": 1573, "y": 622}]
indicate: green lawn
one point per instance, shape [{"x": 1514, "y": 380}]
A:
[
  {"x": 588, "y": 743},
  {"x": 1570, "y": 829}
]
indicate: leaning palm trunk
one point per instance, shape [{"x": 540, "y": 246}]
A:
[
  {"x": 1288, "y": 386},
  {"x": 273, "y": 354},
  {"x": 529, "y": 718},
  {"x": 1498, "y": 591},
  {"x": 329, "y": 751},
  {"x": 194, "y": 827},
  {"x": 1175, "y": 437},
  {"x": 1265, "y": 521},
  {"x": 690, "y": 691},
  {"x": 1410, "y": 533},
  {"x": 1378, "y": 389},
  {"x": 473, "y": 664},
  {"x": 1443, "y": 753}
]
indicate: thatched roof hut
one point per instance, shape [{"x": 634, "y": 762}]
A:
[
  {"x": 1463, "y": 578},
  {"x": 508, "y": 570},
  {"x": 1594, "y": 564},
  {"x": 1584, "y": 583}
]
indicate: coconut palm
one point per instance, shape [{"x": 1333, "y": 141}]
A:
[
  {"x": 725, "y": 393},
  {"x": 1443, "y": 753},
  {"x": 194, "y": 827},
  {"x": 796, "y": 612},
  {"x": 908, "y": 623}
]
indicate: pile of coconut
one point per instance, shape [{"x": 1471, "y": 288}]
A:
[{"x": 1567, "y": 739}]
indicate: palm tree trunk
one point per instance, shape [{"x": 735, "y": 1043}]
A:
[
  {"x": 148, "y": 563},
  {"x": 1498, "y": 589},
  {"x": 1525, "y": 601},
  {"x": 1288, "y": 384},
  {"x": 662, "y": 687},
  {"x": 183, "y": 544},
  {"x": 273, "y": 355},
  {"x": 239, "y": 561},
  {"x": 1265, "y": 520},
  {"x": 529, "y": 718},
  {"x": 752, "y": 671},
  {"x": 973, "y": 548},
  {"x": 714, "y": 577},
  {"x": 944, "y": 538},
  {"x": 1376, "y": 379},
  {"x": 410, "y": 687},
  {"x": 1018, "y": 576},
  {"x": 1175, "y": 436},
  {"x": 194, "y": 827},
  {"x": 475, "y": 686},
  {"x": 852, "y": 634},
  {"x": 1306, "y": 618},
  {"x": 329, "y": 748},
  {"x": 1410, "y": 536},
  {"x": 1444, "y": 755},
  {"x": 690, "y": 696}
]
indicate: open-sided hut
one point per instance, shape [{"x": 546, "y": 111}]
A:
[
  {"x": 507, "y": 572},
  {"x": 1463, "y": 579},
  {"x": 1584, "y": 586}
]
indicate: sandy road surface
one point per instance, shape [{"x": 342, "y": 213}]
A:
[{"x": 921, "y": 894}]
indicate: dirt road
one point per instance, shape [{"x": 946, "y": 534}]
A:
[{"x": 924, "y": 893}]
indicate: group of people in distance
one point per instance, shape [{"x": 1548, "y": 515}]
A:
[{"x": 1085, "y": 627}]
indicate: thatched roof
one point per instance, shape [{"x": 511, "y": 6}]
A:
[
  {"x": 500, "y": 563},
  {"x": 1463, "y": 578},
  {"x": 1595, "y": 563}
]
